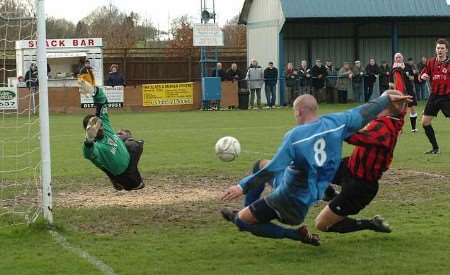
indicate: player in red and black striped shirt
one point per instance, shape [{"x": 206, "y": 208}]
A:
[
  {"x": 437, "y": 71},
  {"x": 359, "y": 174}
]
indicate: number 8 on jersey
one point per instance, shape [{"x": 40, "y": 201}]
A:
[{"x": 319, "y": 152}]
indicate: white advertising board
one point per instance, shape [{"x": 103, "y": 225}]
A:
[
  {"x": 8, "y": 98},
  {"x": 113, "y": 94},
  {"x": 207, "y": 35}
]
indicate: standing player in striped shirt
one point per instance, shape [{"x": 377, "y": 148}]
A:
[
  {"x": 437, "y": 71},
  {"x": 359, "y": 174}
]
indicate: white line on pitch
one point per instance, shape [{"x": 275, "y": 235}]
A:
[{"x": 101, "y": 266}]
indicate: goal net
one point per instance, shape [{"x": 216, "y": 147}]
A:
[{"x": 20, "y": 150}]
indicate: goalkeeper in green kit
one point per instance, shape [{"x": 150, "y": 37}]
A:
[{"x": 116, "y": 154}]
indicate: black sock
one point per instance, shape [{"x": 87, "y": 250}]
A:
[
  {"x": 348, "y": 225},
  {"x": 413, "y": 119},
  {"x": 431, "y": 136}
]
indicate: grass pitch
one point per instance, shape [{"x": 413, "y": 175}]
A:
[{"x": 173, "y": 225}]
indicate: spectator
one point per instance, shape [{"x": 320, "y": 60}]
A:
[
  {"x": 330, "y": 81},
  {"x": 385, "y": 72},
  {"x": 402, "y": 79},
  {"x": 344, "y": 82},
  {"x": 413, "y": 73},
  {"x": 318, "y": 75},
  {"x": 78, "y": 67},
  {"x": 357, "y": 79},
  {"x": 255, "y": 81},
  {"x": 372, "y": 72},
  {"x": 421, "y": 86},
  {"x": 291, "y": 84},
  {"x": 114, "y": 77},
  {"x": 304, "y": 77},
  {"x": 31, "y": 76},
  {"x": 87, "y": 73},
  {"x": 218, "y": 72},
  {"x": 270, "y": 80},
  {"x": 233, "y": 73},
  {"x": 21, "y": 81},
  {"x": 410, "y": 71},
  {"x": 49, "y": 69}
]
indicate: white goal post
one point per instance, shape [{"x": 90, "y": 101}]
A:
[
  {"x": 46, "y": 177},
  {"x": 25, "y": 162}
]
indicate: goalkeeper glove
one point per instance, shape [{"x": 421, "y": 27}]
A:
[
  {"x": 86, "y": 88},
  {"x": 92, "y": 128}
]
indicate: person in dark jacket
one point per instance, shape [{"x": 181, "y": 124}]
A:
[
  {"x": 372, "y": 72},
  {"x": 31, "y": 76},
  {"x": 330, "y": 82},
  {"x": 270, "y": 81},
  {"x": 421, "y": 86},
  {"x": 114, "y": 77},
  {"x": 291, "y": 84},
  {"x": 384, "y": 75},
  {"x": 218, "y": 72},
  {"x": 357, "y": 82},
  {"x": 304, "y": 77},
  {"x": 234, "y": 74},
  {"x": 318, "y": 75}
]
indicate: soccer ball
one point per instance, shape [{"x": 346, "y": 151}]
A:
[{"x": 228, "y": 148}]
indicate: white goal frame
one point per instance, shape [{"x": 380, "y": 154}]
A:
[{"x": 46, "y": 173}]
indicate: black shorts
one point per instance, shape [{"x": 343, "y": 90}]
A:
[
  {"x": 414, "y": 98},
  {"x": 131, "y": 178},
  {"x": 262, "y": 211},
  {"x": 437, "y": 103},
  {"x": 355, "y": 195}
]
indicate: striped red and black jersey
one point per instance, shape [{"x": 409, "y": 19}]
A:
[
  {"x": 439, "y": 73},
  {"x": 374, "y": 149}
]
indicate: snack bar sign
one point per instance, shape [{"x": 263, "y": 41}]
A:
[
  {"x": 8, "y": 98},
  {"x": 62, "y": 43},
  {"x": 113, "y": 94}
]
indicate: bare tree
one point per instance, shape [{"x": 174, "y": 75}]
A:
[
  {"x": 181, "y": 31},
  {"x": 146, "y": 32},
  {"x": 12, "y": 30},
  {"x": 235, "y": 35},
  {"x": 118, "y": 29},
  {"x": 81, "y": 29},
  {"x": 60, "y": 28},
  {"x": 16, "y": 8}
]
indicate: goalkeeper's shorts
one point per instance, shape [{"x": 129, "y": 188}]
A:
[{"x": 130, "y": 179}]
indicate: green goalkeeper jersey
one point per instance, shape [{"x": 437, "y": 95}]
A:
[{"x": 108, "y": 153}]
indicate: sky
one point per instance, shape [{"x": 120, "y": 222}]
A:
[{"x": 158, "y": 11}]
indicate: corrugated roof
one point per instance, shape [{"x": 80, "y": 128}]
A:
[
  {"x": 364, "y": 8},
  {"x": 310, "y": 9}
]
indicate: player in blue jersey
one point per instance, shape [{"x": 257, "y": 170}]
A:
[
  {"x": 255, "y": 193},
  {"x": 308, "y": 158}
]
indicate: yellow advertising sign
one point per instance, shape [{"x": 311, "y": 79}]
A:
[{"x": 167, "y": 94}]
